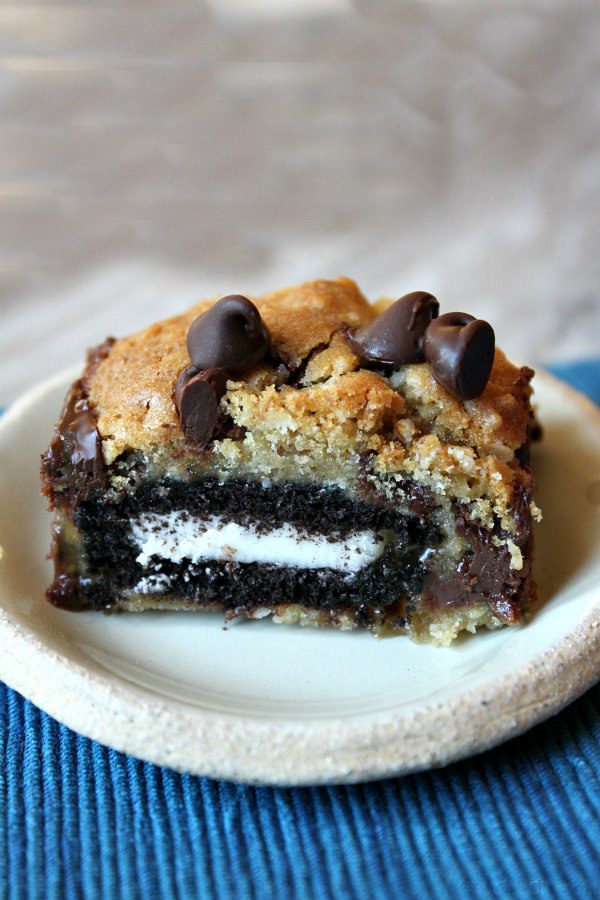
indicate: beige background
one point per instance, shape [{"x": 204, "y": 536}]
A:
[{"x": 153, "y": 152}]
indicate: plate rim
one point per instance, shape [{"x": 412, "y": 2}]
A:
[{"x": 365, "y": 747}]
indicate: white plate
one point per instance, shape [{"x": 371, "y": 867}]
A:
[{"x": 280, "y": 705}]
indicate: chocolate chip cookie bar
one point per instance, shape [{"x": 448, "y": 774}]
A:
[{"x": 303, "y": 455}]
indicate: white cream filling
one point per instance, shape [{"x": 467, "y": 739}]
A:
[
  {"x": 177, "y": 536},
  {"x": 153, "y": 583}
]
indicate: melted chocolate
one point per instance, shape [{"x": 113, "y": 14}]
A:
[
  {"x": 460, "y": 352},
  {"x": 396, "y": 336},
  {"x": 230, "y": 338},
  {"x": 484, "y": 574},
  {"x": 230, "y": 335},
  {"x": 74, "y": 461},
  {"x": 197, "y": 397}
]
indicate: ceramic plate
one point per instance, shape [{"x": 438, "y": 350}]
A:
[{"x": 277, "y": 705}]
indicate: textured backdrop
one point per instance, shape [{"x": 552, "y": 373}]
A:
[{"x": 154, "y": 152}]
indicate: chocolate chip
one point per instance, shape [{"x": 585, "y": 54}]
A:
[
  {"x": 396, "y": 336},
  {"x": 197, "y": 397},
  {"x": 230, "y": 335},
  {"x": 460, "y": 351},
  {"x": 86, "y": 447}
]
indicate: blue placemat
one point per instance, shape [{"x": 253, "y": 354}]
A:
[
  {"x": 80, "y": 821},
  {"x": 583, "y": 375}
]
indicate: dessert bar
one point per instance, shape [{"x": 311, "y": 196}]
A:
[{"x": 303, "y": 455}]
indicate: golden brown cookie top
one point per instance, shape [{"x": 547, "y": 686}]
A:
[
  {"x": 132, "y": 390},
  {"x": 329, "y": 414}
]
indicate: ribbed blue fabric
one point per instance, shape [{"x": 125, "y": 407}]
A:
[
  {"x": 583, "y": 375},
  {"x": 78, "y": 820}
]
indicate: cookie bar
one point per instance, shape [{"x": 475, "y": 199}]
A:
[{"x": 303, "y": 455}]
